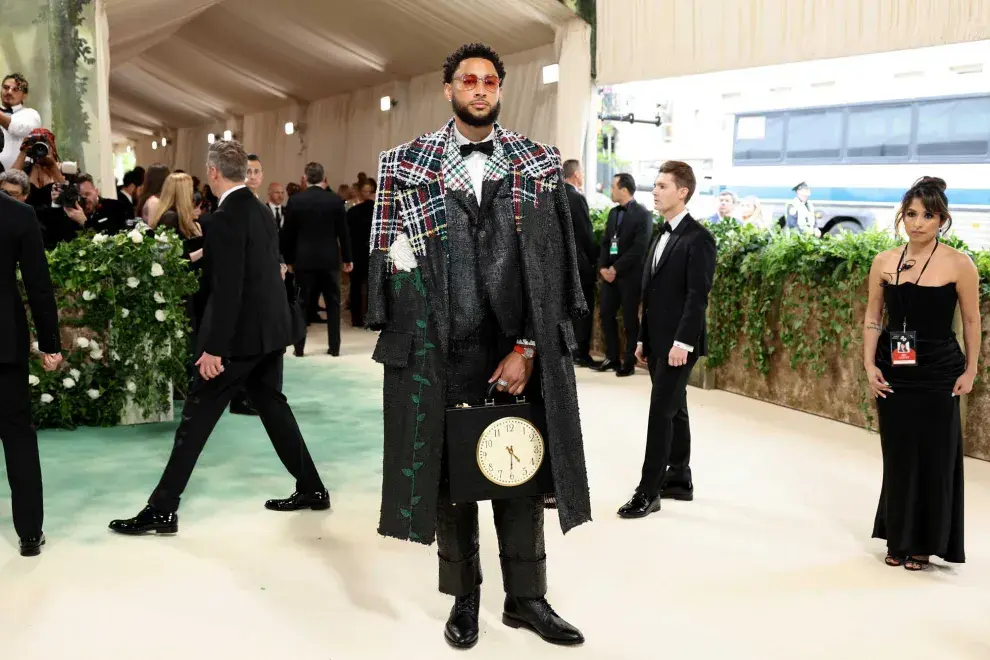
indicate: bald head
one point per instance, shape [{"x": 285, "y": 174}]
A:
[{"x": 276, "y": 194}]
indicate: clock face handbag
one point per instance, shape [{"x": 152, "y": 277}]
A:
[{"x": 497, "y": 451}]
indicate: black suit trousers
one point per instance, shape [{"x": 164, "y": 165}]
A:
[
  {"x": 20, "y": 449},
  {"x": 259, "y": 377},
  {"x": 312, "y": 283},
  {"x": 668, "y": 434},
  {"x": 624, "y": 292},
  {"x": 359, "y": 286},
  {"x": 518, "y": 521},
  {"x": 584, "y": 327}
]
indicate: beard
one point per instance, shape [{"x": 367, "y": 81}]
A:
[{"x": 463, "y": 112}]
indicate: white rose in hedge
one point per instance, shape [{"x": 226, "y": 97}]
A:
[
  {"x": 133, "y": 282},
  {"x": 68, "y": 383},
  {"x": 33, "y": 380},
  {"x": 124, "y": 313},
  {"x": 136, "y": 236},
  {"x": 157, "y": 270},
  {"x": 82, "y": 342},
  {"x": 161, "y": 316},
  {"x": 96, "y": 354},
  {"x": 159, "y": 298},
  {"x": 115, "y": 356},
  {"x": 89, "y": 295},
  {"x": 93, "y": 394},
  {"x": 74, "y": 373},
  {"x": 131, "y": 387},
  {"x": 100, "y": 238},
  {"x": 179, "y": 334},
  {"x": 47, "y": 398},
  {"x": 162, "y": 238},
  {"x": 82, "y": 253}
]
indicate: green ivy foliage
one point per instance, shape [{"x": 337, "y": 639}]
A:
[{"x": 122, "y": 297}]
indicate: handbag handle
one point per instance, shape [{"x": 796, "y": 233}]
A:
[{"x": 490, "y": 397}]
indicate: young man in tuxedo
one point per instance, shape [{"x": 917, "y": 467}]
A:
[
  {"x": 21, "y": 247},
  {"x": 677, "y": 279},
  {"x": 242, "y": 338}
]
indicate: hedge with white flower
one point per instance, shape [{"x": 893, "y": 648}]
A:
[{"x": 124, "y": 328}]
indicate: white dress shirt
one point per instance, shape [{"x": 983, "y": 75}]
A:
[
  {"x": 280, "y": 215},
  {"x": 22, "y": 122},
  {"x": 674, "y": 222},
  {"x": 475, "y": 162},
  {"x": 224, "y": 196}
]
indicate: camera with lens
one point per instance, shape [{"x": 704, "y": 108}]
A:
[
  {"x": 37, "y": 148},
  {"x": 69, "y": 196}
]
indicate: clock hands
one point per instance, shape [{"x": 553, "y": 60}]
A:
[{"x": 512, "y": 453}]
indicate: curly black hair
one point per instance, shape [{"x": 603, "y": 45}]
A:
[
  {"x": 22, "y": 83},
  {"x": 467, "y": 52}
]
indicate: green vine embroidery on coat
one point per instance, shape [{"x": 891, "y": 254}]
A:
[{"x": 424, "y": 347}]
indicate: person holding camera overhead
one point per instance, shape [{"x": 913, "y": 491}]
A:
[
  {"x": 917, "y": 373},
  {"x": 16, "y": 121}
]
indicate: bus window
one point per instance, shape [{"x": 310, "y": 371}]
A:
[
  {"x": 815, "y": 135},
  {"x": 764, "y": 144},
  {"x": 959, "y": 127},
  {"x": 879, "y": 132}
]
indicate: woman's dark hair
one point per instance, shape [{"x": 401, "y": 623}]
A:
[
  {"x": 153, "y": 182},
  {"x": 471, "y": 51},
  {"x": 930, "y": 191}
]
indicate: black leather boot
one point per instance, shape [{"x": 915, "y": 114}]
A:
[
  {"x": 536, "y": 614},
  {"x": 31, "y": 546},
  {"x": 318, "y": 501},
  {"x": 461, "y": 630},
  {"x": 149, "y": 520}
]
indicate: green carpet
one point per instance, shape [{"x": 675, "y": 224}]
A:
[{"x": 92, "y": 474}]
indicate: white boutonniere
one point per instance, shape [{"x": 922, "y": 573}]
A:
[{"x": 401, "y": 254}]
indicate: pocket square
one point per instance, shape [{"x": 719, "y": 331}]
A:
[{"x": 401, "y": 254}]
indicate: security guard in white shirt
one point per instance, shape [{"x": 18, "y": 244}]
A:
[{"x": 800, "y": 212}]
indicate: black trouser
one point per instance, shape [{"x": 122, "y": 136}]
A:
[
  {"x": 359, "y": 282},
  {"x": 624, "y": 293},
  {"x": 20, "y": 449},
  {"x": 259, "y": 377},
  {"x": 584, "y": 328},
  {"x": 518, "y": 521},
  {"x": 311, "y": 284},
  {"x": 668, "y": 434}
]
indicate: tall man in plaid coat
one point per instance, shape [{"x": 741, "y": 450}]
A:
[{"x": 474, "y": 280}]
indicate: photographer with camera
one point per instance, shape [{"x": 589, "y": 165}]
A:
[
  {"x": 38, "y": 158},
  {"x": 76, "y": 206},
  {"x": 16, "y": 121}
]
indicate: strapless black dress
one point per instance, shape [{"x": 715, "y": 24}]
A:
[{"x": 921, "y": 499}]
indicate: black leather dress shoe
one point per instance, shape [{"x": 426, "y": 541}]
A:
[
  {"x": 461, "y": 630},
  {"x": 608, "y": 365},
  {"x": 625, "y": 370},
  {"x": 678, "y": 491},
  {"x": 536, "y": 614},
  {"x": 31, "y": 546},
  {"x": 149, "y": 520},
  {"x": 639, "y": 506},
  {"x": 318, "y": 501}
]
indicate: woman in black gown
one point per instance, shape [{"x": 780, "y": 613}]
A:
[{"x": 917, "y": 373}]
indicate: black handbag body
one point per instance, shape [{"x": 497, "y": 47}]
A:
[{"x": 497, "y": 451}]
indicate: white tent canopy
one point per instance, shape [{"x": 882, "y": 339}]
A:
[{"x": 184, "y": 68}]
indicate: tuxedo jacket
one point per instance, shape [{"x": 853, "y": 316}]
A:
[
  {"x": 247, "y": 313},
  {"x": 634, "y": 238},
  {"x": 675, "y": 292},
  {"x": 315, "y": 236},
  {"x": 584, "y": 235},
  {"x": 21, "y": 247}
]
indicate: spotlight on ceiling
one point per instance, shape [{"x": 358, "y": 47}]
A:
[
  {"x": 211, "y": 138},
  {"x": 551, "y": 73},
  {"x": 388, "y": 103},
  {"x": 154, "y": 145},
  {"x": 290, "y": 128},
  {"x": 128, "y": 148},
  {"x": 228, "y": 135},
  {"x": 164, "y": 142}
]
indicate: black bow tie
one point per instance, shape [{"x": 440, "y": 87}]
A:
[
  {"x": 7, "y": 110},
  {"x": 487, "y": 148},
  {"x": 664, "y": 228}
]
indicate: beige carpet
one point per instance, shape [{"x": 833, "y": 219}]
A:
[{"x": 772, "y": 560}]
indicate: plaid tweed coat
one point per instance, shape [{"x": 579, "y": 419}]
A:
[{"x": 411, "y": 309}]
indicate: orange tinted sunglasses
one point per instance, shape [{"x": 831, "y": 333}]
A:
[{"x": 469, "y": 81}]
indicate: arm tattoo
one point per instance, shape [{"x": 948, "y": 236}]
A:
[{"x": 873, "y": 325}]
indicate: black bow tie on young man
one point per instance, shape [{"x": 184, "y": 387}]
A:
[
  {"x": 6, "y": 110},
  {"x": 664, "y": 228},
  {"x": 487, "y": 148}
]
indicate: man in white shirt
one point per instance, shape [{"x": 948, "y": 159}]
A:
[
  {"x": 16, "y": 121},
  {"x": 677, "y": 279}
]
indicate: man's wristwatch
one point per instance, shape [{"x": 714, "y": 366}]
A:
[{"x": 528, "y": 352}]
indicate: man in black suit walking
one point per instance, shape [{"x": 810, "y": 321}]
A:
[
  {"x": 587, "y": 257},
  {"x": 316, "y": 237},
  {"x": 676, "y": 283},
  {"x": 242, "y": 338},
  {"x": 21, "y": 247},
  {"x": 623, "y": 252}
]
